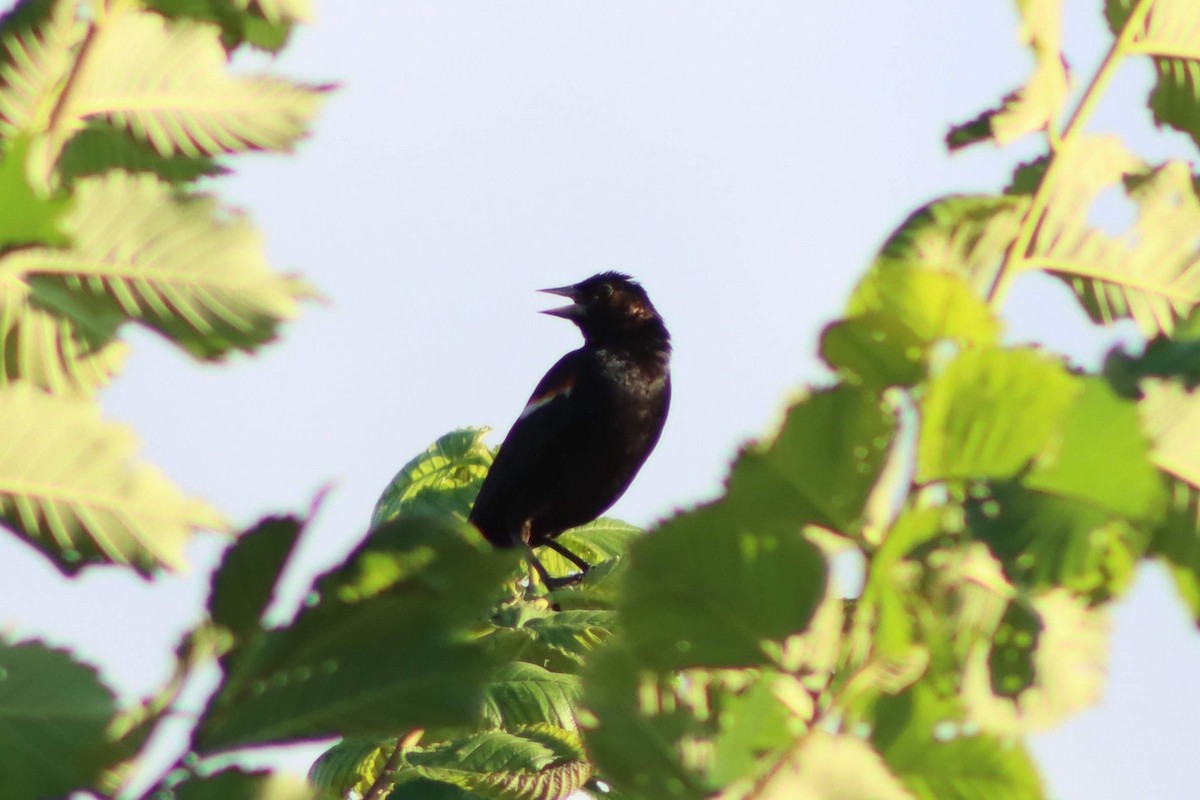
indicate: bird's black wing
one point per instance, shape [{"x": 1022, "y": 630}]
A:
[{"x": 532, "y": 452}]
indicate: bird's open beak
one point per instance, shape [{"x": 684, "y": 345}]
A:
[{"x": 573, "y": 311}]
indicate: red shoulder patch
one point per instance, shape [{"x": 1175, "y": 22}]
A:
[{"x": 560, "y": 388}]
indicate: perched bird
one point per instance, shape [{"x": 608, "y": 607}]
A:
[{"x": 588, "y": 427}]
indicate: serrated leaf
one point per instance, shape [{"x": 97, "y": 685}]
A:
[
  {"x": 829, "y": 767},
  {"x": 244, "y": 583},
  {"x": 167, "y": 83},
  {"x": 383, "y": 644},
  {"x": 1149, "y": 273},
  {"x": 598, "y": 541},
  {"x": 1169, "y": 36},
  {"x": 350, "y": 765},
  {"x": 558, "y": 641},
  {"x": 442, "y": 480},
  {"x": 966, "y": 235},
  {"x": 921, "y": 738},
  {"x": 173, "y": 265},
  {"x": 896, "y": 315},
  {"x": 71, "y": 486},
  {"x": 64, "y": 354},
  {"x": 1046, "y": 661},
  {"x": 714, "y": 588},
  {"x": 991, "y": 411},
  {"x": 53, "y": 716},
  {"x": 533, "y": 762},
  {"x": 100, "y": 147},
  {"x": 1033, "y": 105},
  {"x": 39, "y": 52},
  {"x": 524, "y": 694}
]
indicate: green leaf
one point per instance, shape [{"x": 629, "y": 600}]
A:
[
  {"x": 1176, "y": 357},
  {"x": 383, "y": 644},
  {"x": 921, "y": 738},
  {"x": 64, "y": 354},
  {"x": 1147, "y": 273},
  {"x": 100, "y": 147},
  {"x": 236, "y": 784},
  {"x": 1045, "y": 541},
  {"x": 558, "y": 641},
  {"x": 71, "y": 486},
  {"x": 168, "y": 84},
  {"x": 525, "y": 694},
  {"x": 832, "y": 767},
  {"x": 1047, "y": 661},
  {"x": 896, "y": 316},
  {"x": 534, "y": 762},
  {"x": 1169, "y": 36},
  {"x": 53, "y": 716},
  {"x": 244, "y": 583},
  {"x": 239, "y": 24},
  {"x": 990, "y": 412},
  {"x": 29, "y": 217},
  {"x": 1035, "y": 104},
  {"x": 173, "y": 265},
  {"x": 598, "y": 541},
  {"x": 714, "y": 588},
  {"x": 1177, "y": 544},
  {"x": 819, "y": 469},
  {"x": 753, "y": 724},
  {"x": 351, "y": 765},
  {"x": 442, "y": 480},
  {"x": 1112, "y": 470},
  {"x": 966, "y": 235}
]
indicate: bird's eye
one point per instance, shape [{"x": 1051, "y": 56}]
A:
[{"x": 602, "y": 291}]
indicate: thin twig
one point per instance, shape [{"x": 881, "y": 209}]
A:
[{"x": 384, "y": 784}]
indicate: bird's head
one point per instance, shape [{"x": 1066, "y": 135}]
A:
[{"x": 612, "y": 309}]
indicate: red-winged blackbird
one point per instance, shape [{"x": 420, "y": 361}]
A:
[{"x": 588, "y": 427}]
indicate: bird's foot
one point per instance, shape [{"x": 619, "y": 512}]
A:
[{"x": 552, "y": 584}]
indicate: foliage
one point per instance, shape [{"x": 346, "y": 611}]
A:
[{"x": 999, "y": 498}]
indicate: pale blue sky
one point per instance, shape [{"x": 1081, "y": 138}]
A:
[{"x": 744, "y": 160}]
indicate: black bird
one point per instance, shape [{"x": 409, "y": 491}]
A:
[{"x": 588, "y": 427}]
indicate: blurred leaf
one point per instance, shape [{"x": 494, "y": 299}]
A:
[
  {"x": 524, "y": 694},
  {"x": 1047, "y": 660},
  {"x": 1102, "y": 457},
  {"x": 238, "y": 22},
  {"x": 100, "y": 147},
  {"x": 1168, "y": 35},
  {"x": 711, "y": 588},
  {"x": 29, "y": 217},
  {"x": 1148, "y": 273},
  {"x": 383, "y": 644},
  {"x": 167, "y": 83},
  {"x": 966, "y": 235},
  {"x": 818, "y": 470},
  {"x": 752, "y": 724},
  {"x": 1032, "y": 106},
  {"x": 533, "y": 762},
  {"x": 39, "y": 52},
  {"x": 829, "y": 767},
  {"x": 1163, "y": 357},
  {"x": 442, "y": 480},
  {"x": 989, "y": 412},
  {"x": 71, "y": 486},
  {"x": 896, "y": 315},
  {"x": 236, "y": 784},
  {"x": 244, "y": 583},
  {"x": 1171, "y": 416},
  {"x": 1177, "y": 543},
  {"x": 63, "y": 354},
  {"x": 53, "y": 716},
  {"x": 175, "y": 266},
  {"x": 923, "y": 741},
  {"x": 1046, "y": 541}
]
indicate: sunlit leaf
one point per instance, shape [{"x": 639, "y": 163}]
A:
[
  {"x": 237, "y": 784},
  {"x": 923, "y": 740},
  {"x": 38, "y": 55},
  {"x": 383, "y": 644},
  {"x": 558, "y": 641},
  {"x": 1046, "y": 661},
  {"x": 1168, "y": 35},
  {"x": 523, "y": 694},
  {"x": 70, "y": 485},
  {"x": 442, "y": 480},
  {"x": 1149, "y": 272},
  {"x": 175, "y": 266},
  {"x": 596, "y": 542},
  {"x": 1030, "y": 107},
  {"x": 240, "y": 22},
  {"x": 829, "y": 767},
  {"x": 53, "y": 715},
  {"x": 351, "y": 765},
  {"x": 989, "y": 412},
  {"x": 29, "y": 217}
]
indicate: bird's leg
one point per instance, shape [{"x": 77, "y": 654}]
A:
[
  {"x": 552, "y": 583},
  {"x": 562, "y": 550}
]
